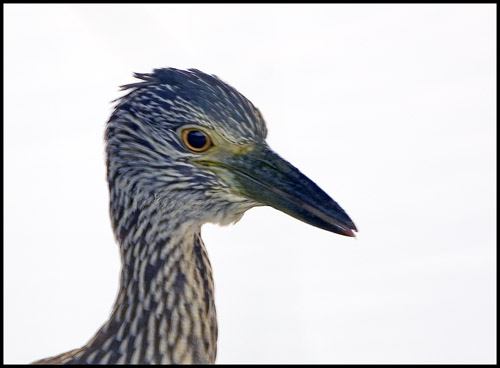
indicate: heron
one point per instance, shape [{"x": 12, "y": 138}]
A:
[{"x": 184, "y": 148}]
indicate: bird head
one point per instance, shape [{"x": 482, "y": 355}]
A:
[{"x": 193, "y": 146}]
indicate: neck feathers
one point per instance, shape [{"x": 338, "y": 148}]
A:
[{"x": 164, "y": 311}]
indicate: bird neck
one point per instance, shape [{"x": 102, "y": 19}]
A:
[{"x": 164, "y": 311}]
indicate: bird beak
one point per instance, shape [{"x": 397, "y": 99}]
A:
[{"x": 266, "y": 178}]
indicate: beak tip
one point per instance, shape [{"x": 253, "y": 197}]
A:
[
  {"x": 350, "y": 232},
  {"x": 345, "y": 226}
]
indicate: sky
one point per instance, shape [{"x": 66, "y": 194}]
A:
[{"x": 390, "y": 109}]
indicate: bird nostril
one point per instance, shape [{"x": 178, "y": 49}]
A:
[{"x": 196, "y": 140}]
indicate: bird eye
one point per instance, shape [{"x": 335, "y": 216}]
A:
[{"x": 196, "y": 140}]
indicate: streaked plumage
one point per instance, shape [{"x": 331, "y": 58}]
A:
[{"x": 162, "y": 191}]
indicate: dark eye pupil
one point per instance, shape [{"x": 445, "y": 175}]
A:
[{"x": 196, "y": 139}]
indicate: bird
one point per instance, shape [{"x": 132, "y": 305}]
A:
[{"x": 184, "y": 148}]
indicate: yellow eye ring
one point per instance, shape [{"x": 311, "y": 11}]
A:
[{"x": 196, "y": 140}]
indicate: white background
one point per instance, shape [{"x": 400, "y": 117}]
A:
[{"x": 389, "y": 108}]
